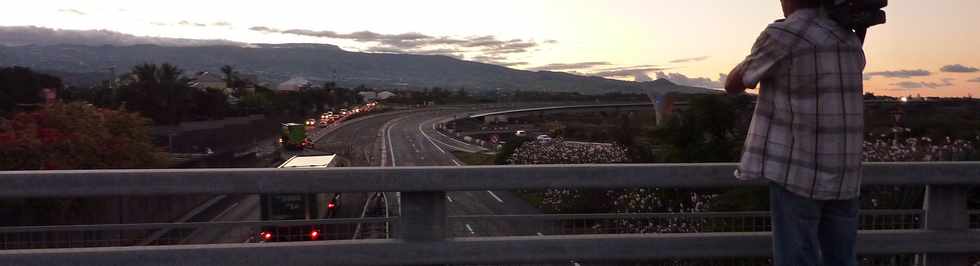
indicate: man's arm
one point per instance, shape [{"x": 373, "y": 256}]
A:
[
  {"x": 734, "y": 83},
  {"x": 766, "y": 52}
]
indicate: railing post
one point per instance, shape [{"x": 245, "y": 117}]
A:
[
  {"x": 946, "y": 210},
  {"x": 423, "y": 216}
]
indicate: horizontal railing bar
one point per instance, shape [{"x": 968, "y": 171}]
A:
[
  {"x": 220, "y": 224},
  {"x": 587, "y": 216},
  {"x": 79, "y": 183},
  {"x": 196, "y": 225},
  {"x": 490, "y": 250}
]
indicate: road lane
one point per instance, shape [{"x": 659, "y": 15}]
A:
[{"x": 413, "y": 142}]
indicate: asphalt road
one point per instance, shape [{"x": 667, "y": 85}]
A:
[
  {"x": 405, "y": 138},
  {"x": 412, "y": 140},
  {"x": 348, "y": 140}
]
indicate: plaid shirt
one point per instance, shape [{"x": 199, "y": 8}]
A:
[{"x": 807, "y": 130}]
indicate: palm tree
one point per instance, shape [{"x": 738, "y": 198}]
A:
[
  {"x": 159, "y": 92},
  {"x": 230, "y": 75}
]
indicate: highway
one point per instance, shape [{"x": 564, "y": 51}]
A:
[
  {"x": 399, "y": 138},
  {"x": 412, "y": 140},
  {"x": 348, "y": 140}
]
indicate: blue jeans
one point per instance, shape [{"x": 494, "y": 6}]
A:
[{"x": 809, "y": 232}]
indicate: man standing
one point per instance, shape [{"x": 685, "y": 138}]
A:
[{"x": 806, "y": 134}]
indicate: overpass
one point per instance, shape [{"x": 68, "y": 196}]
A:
[
  {"x": 646, "y": 106},
  {"x": 503, "y": 116},
  {"x": 944, "y": 231}
]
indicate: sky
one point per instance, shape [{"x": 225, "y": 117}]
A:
[{"x": 927, "y": 48}]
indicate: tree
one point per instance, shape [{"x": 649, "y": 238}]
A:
[
  {"x": 709, "y": 130},
  {"x": 77, "y": 136},
  {"x": 233, "y": 81},
  {"x": 158, "y": 92},
  {"x": 21, "y": 86}
]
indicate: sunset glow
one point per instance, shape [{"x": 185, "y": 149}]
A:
[{"x": 696, "y": 38}]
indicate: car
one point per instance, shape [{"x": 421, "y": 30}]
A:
[
  {"x": 520, "y": 133},
  {"x": 310, "y": 122},
  {"x": 544, "y": 138}
]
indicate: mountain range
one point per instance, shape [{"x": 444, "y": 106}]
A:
[{"x": 85, "y": 56}]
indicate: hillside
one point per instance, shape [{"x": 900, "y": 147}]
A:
[{"x": 274, "y": 63}]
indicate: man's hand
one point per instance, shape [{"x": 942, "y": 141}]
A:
[{"x": 734, "y": 84}]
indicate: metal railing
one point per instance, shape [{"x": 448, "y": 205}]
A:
[{"x": 425, "y": 235}]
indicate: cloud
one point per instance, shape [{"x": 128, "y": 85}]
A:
[
  {"x": 409, "y": 40},
  {"x": 908, "y": 85},
  {"x": 642, "y": 77},
  {"x": 72, "y": 11},
  {"x": 221, "y": 24},
  {"x": 682, "y": 79},
  {"x": 957, "y": 68},
  {"x": 899, "y": 74},
  {"x": 551, "y": 42},
  {"x": 496, "y": 60},
  {"x": 454, "y": 53},
  {"x": 974, "y": 80},
  {"x": 188, "y": 23},
  {"x": 946, "y": 82},
  {"x": 635, "y": 72},
  {"x": 572, "y": 66},
  {"x": 418, "y": 43},
  {"x": 688, "y": 60},
  {"x": 21, "y": 35}
]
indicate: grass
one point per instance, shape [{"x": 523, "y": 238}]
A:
[{"x": 474, "y": 158}]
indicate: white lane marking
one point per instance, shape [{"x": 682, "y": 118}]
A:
[
  {"x": 457, "y": 162},
  {"x": 470, "y": 228},
  {"x": 391, "y": 146},
  {"x": 430, "y": 139},
  {"x": 223, "y": 213},
  {"x": 576, "y": 263},
  {"x": 540, "y": 234},
  {"x": 495, "y": 196},
  {"x": 449, "y": 198}
]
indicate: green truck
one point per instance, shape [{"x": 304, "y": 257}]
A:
[{"x": 293, "y": 137}]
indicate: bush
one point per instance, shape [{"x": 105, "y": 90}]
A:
[{"x": 76, "y": 136}]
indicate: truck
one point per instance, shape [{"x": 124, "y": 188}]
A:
[
  {"x": 293, "y": 137},
  {"x": 292, "y": 207}
]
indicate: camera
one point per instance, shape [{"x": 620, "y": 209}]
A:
[{"x": 857, "y": 15}]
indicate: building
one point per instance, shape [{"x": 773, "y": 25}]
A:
[
  {"x": 384, "y": 95},
  {"x": 294, "y": 84},
  {"x": 368, "y": 95},
  {"x": 208, "y": 80}
]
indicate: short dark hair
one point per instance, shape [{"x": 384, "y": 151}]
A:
[{"x": 809, "y": 3}]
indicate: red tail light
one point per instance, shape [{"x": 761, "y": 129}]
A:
[
  {"x": 315, "y": 234},
  {"x": 331, "y": 205},
  {"x": 266, "y": 235}
]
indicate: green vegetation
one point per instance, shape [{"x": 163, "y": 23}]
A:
[
  {"x": 468, "y": 158},
  {"x": 76, "y": 136},
  {"x": 509, "y": 148}
]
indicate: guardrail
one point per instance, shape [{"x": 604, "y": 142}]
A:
[{"x": 424, "y": 235}]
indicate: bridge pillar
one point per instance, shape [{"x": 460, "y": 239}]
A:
[
  {"x": 423, "y": 216},
  {"x": 946, "y": 210}
]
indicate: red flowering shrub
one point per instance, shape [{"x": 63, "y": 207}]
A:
[{"x": 76, "y": 136}]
